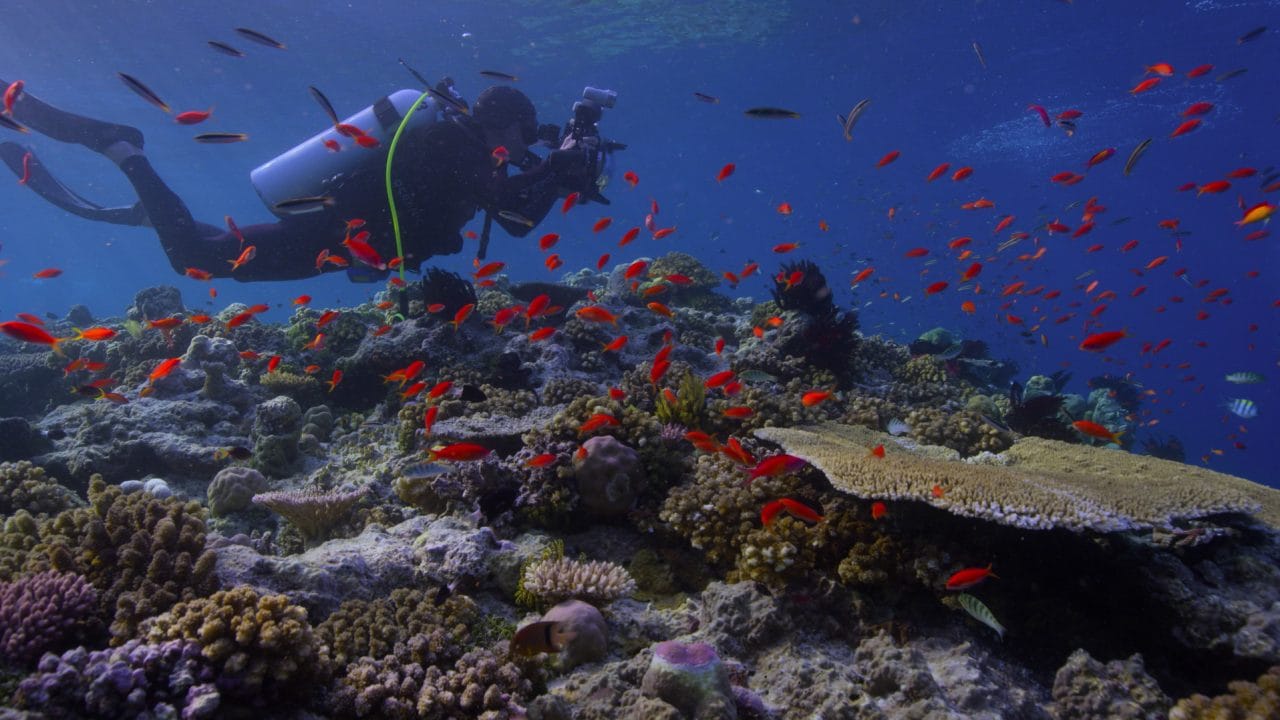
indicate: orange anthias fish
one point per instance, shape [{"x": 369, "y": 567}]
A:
[
  {"x": 597, "y": 421},
  {"x": 1094, "y": 430},
  {"x": 793, "y": 508},
  {"x": 776, "y": 465},
  {"x": 540, "y": 461},
  {"x": 47, "y": 273},
  {"x": 94, "y": 333},
  {"x": 198, "y": 274},
  {"x": 969, "y": 577},
  {"x": 458, "y": 452},
  {"x": 725, "y": 172},
  {"x": 595, "y": 313},
  {"x": 27, "y": 332},
  {"x": 879, "y": 510},
  {"x": 192, "y": 117},
  {"x": 1103, "y": 340},
  {"x": 163, "y": 369},
  {"x": 460, "y": 316},
  {"x": 245, "y": 256},
  {"x": 815, "y": 397}
]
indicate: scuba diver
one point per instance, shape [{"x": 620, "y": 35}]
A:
[{"x": 449, "y": 161}]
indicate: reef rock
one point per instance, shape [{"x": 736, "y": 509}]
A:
[
  {"x": 608, "y": 476},
  {"x": 276, "y": 431},
  {"x": 1085, "y": 689},
  {"x": 369, "y": 565}
]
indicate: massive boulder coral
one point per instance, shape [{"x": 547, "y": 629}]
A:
[{"x": 1044, "y": 484}]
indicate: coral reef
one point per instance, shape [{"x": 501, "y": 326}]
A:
[
  {"x": 374, "y": 628},
  {"x": 48, "y": 611},
  {"x": 24, "y": 486},
  {"x": 136, "y": 680},
  {"x": 141, "y": 553},
  {"x": 276, "y": 430},
  {"x": 314, "y": 512},
  {"x": 1085, "y": 688},
  {"x": 690, "y": 677},
  {"x": 608, "y": 477},
  {"x": 554, "y": 580},
  {"x": 1246, "y": 701},
  {"x": 1072, "y": 486},
  {"x": 262, "y": 649},
  {"x": 233, "y": 488},
  {"x": 479, "y": 685},
  {"x": 965, "y": 432}
]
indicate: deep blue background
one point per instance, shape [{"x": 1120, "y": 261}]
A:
[{"x": 931, "y": 100}]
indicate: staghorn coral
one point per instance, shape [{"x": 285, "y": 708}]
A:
[
  {"x": 314, "y": 512},
  {"x": 24, "y": 486},
  {"x": 45, "y": 612},
  {"x": 1045, "y": 484},
  {"x": 374, "y": 628},
  {"x": 142, "y": 554},
  {"x": 553, "y": 580},
  {"x": 261, "y": 647},
  {"x": 1246, "y": 701},
  {"x": 135, "y": 680}
]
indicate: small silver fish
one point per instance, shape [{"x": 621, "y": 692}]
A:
[
  {"x": 260, "y": 38},
  {"x": 1133, "y": 156},
  {"x": 221, "y": 138},
  {"x": 847, "y": 123},
  {"x": 499, "y": 75},
  {"x": 1246, "y": 377},
  {"x": 980, "y": 612},
  {"x": 897, "y": 428},
  {"x": 516, "y": 218},
  {"x": 225, "y": 49},
  {"x": 145, "y": 92},
  {"x": 757, "y": 376},
  {"x": 977, "y": 50},
  {"x": 305, "y": 204}
]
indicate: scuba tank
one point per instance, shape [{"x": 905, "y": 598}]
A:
[{"x": 310, "y": 169}]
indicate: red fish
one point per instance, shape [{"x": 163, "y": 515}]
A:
[
  {"x": 1199, "y": 108},
  {"x": 1100, "y": 156},
  {"x": 461, "y": 316},
  {"x": 569, "y": 202},
  {"x": 11, "y": 95},
  {"x": 1185, "y": 127},
  {"x": 457, "y": 452},
  {"x": 27, "y": 332},
  {"x": 631, "y": 178},
  {"x": 793, "y": 508},
  {"x": 541, "y": 334},
  {"x": 878, "y": 510},
  {"x": 663, "y": 232},
  {"x": 595, "y": 313},
  {"x": 862, "y": 275},
  {"x": 777, "y": 465},
  {"x": 888, "y": 158},
  {"x": 961, "y": 174},
  {"x": 245, "y": 256},
  {"x": 916, "y": 252},
  {"x": 1103, "y": 340},
  {"x": 725, "y": 172},
  {"x": 1145, "y": 85},
  {"x": 616, "y": 344},
  {"x": 597, "y": 421},
  {"x": 719, "y": 379},
  {"x": 972, "y": 272},
  {"x": 164, "y": 369},
  {"x": 1094, "y": 430},
  {"x": 969, "y": 577},
  {"x": 628, "y": 236},
  {"x": 739, "y": 412},
  {"x": 936, "y": 288},
  {"x": 1199, "y": 70},
  {"x": 47, "y": 273},
  {"x": 938, "y": 172},
  {"x": 814, "y": 397},
  {"x": 601, "y": 224},
  {"x": 192, "y": 117},
  {"x": 1044, "y": 115}
]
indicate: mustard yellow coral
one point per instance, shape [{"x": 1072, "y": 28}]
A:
[{"x": 1037, "y": 483}]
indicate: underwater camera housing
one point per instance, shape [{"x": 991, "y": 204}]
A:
[{"x": 584, "y": 128}]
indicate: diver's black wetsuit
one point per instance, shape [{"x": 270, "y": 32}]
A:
[{"x": 441, "y": 175}]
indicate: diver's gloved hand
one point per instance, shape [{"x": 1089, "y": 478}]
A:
[{"x": 569, "y": 167}]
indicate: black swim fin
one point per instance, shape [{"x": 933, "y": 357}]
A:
[
  {"x": 48, "y": 187},
  {"x": 97, "y": 135}
]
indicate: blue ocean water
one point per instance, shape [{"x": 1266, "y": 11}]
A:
[{"x": 931, "y": 99}]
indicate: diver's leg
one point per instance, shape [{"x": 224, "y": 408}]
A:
[{"x": 48, "y": 120}]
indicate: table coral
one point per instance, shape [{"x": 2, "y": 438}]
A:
[
  {"x": 314, "y": 512},
  {"x": 1045, "y": 484}
]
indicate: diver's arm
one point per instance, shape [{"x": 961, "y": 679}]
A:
[{"x": 529, "y": 195}]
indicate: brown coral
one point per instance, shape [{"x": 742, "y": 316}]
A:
[
  {"x": 1245, "y": 701},
  {"x": 24, "y": 486},
  {"x": 263, "y": 647},
  {"x": 1045, "y": 484},
  {"x": 373, "y": 628}
]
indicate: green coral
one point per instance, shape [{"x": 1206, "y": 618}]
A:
[
  {"x": 690, "y": 408},
  {"x": 304, "y": 389},
  {"x": 262, "y": 646}
]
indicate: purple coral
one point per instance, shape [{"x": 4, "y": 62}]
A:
[
  {"x": 134, "y": 680},
  {"x": 42, "y": 612},
  {"x": 690, "y": 677}
]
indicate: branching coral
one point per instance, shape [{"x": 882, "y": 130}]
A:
[
  {"x": 43, "y": 612},
  {"x": 141, "y": 553},
  {"x": 261, "y": 646},
  {"x": 24, "y": 486},
  {"x": 375, "y": 627},
  {"x": 479, "y": 685},
  {"x": 596, "y": 582},
  {"x": 1245, "y": 701}
]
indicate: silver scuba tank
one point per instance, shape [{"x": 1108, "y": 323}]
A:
[{"x": 310, "y": 169}]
